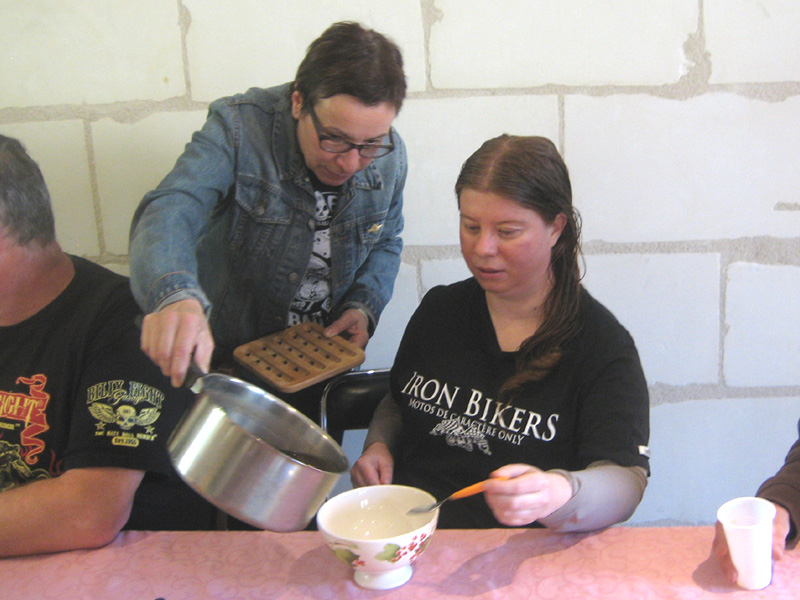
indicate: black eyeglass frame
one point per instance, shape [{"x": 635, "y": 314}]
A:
[{"x": 364, "y": 150}]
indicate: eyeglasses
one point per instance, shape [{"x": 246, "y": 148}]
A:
[{"x": 337, "y": 145}]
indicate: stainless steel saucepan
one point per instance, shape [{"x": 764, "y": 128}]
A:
[{"x": 254, "y": 456}]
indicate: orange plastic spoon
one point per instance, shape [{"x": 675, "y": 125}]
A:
[{"x": 470, "y": 490}]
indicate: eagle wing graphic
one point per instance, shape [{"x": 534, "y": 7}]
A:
[
  {"x": 103, "y": 412},
  {"x": 147, "y": 416}
]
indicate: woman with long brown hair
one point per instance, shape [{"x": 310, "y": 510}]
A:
[{"x": 516, "y": 374}]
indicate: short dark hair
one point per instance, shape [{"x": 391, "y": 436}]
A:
[
  {"x": 25, "y": 210},
  {"x": 530, "y": 171},
  {"x": 350, "y": 59}
]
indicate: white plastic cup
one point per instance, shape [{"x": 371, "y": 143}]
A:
[{"x": 748, "y": 530}]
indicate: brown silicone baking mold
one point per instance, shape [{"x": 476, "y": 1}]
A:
[{"x": 298, "y": 357}]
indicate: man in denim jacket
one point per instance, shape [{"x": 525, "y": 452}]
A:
[{"x": 285, "y": 207}]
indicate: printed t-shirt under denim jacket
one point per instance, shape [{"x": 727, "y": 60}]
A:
[{"x": 232, "y": 224}]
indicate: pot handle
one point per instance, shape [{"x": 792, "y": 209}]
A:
[{"x": 194, "y": 377}]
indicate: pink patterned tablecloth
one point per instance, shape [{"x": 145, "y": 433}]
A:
[{"x": 618, "y": 563}]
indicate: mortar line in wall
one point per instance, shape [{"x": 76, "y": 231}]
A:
[
  {"x": 430, "y": 15},
  {"x": 129, "y": 111},
  {"x": 661, "y": 393},
  {"x": 724, "y": 265},
  {"x": 701, "y": 20},
  {"x": 695, "y": 52},
  {"x": 756, "y": 249},
  {"x": 135, "y": 110},
  {"x": 98, "y": 216},
  {"x": 776, "y": 91},
  {"x": 185, "y": 21}
]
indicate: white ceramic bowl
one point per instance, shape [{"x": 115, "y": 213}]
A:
[{"x": 370, "y": 529}]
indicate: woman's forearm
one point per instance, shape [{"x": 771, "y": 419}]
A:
[
  {"x": 385, "y": 425},
  {"x": 603, "y": 494}
]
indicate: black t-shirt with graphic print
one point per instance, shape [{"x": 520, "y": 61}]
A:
[
  {"x": 76, "y": 391},
  {"x": 445, "y": 379}
]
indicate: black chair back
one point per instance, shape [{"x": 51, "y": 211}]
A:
[{"x": 350, "y": 399}]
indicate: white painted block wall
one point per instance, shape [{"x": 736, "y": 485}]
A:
[{"x": 679, "y": 120}]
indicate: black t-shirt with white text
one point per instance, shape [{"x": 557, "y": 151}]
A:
[{"x": 449, "y": 367}]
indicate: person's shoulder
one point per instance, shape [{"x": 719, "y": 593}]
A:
[
  {"x": 599, "y": 322},
  {"x": 444, "y": 308},
  {"x": 270, "y": 99},
  {"x": 88, "y": 270},
  {"x": 94, "y": 283}
]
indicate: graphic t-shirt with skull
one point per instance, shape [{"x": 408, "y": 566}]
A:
[
  {"x": 77, "y": 392},
  {"x": 313, "y": 299}
]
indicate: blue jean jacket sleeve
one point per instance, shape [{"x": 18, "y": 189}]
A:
[{"x": 171, "y": 219}]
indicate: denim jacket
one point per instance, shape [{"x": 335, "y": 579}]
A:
[{"x": 232, "y": 224}]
